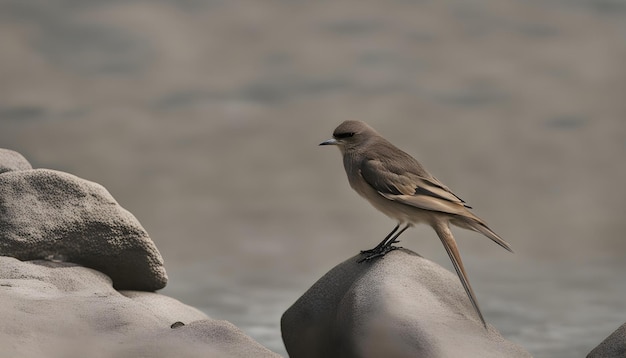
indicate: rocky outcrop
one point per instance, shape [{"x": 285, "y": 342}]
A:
[
  {"x": 613, "y": 346},
  {"x": 47, "y": 214},
  {"x": 11, "y": 160},
  {"x": 401, "y": 305},
  {"x": 59, "y": 309},
  {"x": 75, "y": 271}
]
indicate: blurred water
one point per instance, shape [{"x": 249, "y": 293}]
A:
[{"x": 202, "y": 118}]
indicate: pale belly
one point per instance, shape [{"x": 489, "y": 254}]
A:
[{"x": 402, "y": 213}]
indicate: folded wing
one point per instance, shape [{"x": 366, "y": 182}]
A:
[{"x": 416, "y": 188}]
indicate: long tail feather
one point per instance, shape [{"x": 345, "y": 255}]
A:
[
  {"x": 472, "y": 222},
  {"x": 444, "y": 233},
  {"x": 485, "y": 230}
]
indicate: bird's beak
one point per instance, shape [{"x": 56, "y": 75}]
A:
[{"x": 332, "y": 141}]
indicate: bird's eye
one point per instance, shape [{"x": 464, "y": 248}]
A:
[{"x": 344, "y": 135}]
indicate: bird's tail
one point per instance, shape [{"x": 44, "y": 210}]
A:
[
  {"x": 482, "y": 228},
  {"x": 444, "y": 233}
]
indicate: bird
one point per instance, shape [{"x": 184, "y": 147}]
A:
[{"x": 399, "y": 186}]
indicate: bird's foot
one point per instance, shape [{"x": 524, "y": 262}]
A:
[
  {"x": 379, "y": 248},
  {"x": 377, "y": 252},
  {"x": 370, "y": 251}
]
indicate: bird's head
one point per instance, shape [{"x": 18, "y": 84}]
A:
[{"x": 350, "y": 135}]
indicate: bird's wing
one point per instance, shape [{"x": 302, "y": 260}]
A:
[{"x": 413, "y": 188}]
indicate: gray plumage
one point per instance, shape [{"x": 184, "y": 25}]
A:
[{"x": 400, "y": 187}]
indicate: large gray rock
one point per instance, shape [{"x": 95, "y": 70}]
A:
[
  {"x": 613, "y": 346},
  {"x": 205, "y": 338},
  {"x": 399, "y": 306},
  {"x": 56, "y": 309},
  {"x": 11, "y": 160},
  {"x": 46, "y": 214}
]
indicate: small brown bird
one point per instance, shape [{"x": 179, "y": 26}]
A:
[{"x": 400, "y": 187}]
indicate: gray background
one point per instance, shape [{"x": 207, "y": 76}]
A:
[{"x": 203, "y": 117}]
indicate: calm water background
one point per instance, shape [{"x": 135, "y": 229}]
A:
[{"x": 203, "y": 117}]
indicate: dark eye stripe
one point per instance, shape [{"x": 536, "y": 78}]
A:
[{"x": 344, "y": 135}]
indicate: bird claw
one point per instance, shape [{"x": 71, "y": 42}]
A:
[
  {"x": 370, "y": 251},
  {"x": 379, "y": 249},
  {"x": 377, "y": 252}
]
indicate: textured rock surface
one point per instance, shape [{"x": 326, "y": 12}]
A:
[
  {"x": 46, "y": 214},
  {"x": 204, "y": 338},
  {"x": 399, "y": 306},
  {"x": 613, "y": 346},
  {"x": 55, "y": 309},
  {"x": 11, "y": 160}
]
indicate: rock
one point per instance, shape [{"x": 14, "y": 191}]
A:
[
  {"x": 46, "y": 214},
  {"x": 205, "y": 338},
  {"x": 12, "y": 161},
  {"x": 160, "y": 307},
  {"x": 58, "y": 309},
  {"x": 399, "y": 306},
  {"x": 613, "y": 346}
]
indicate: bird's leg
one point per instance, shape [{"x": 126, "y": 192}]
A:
[
  {"x": 394, "y": 240},
  {"x": 385, "y": 246},
  {"x": 382, "y": 243}
]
